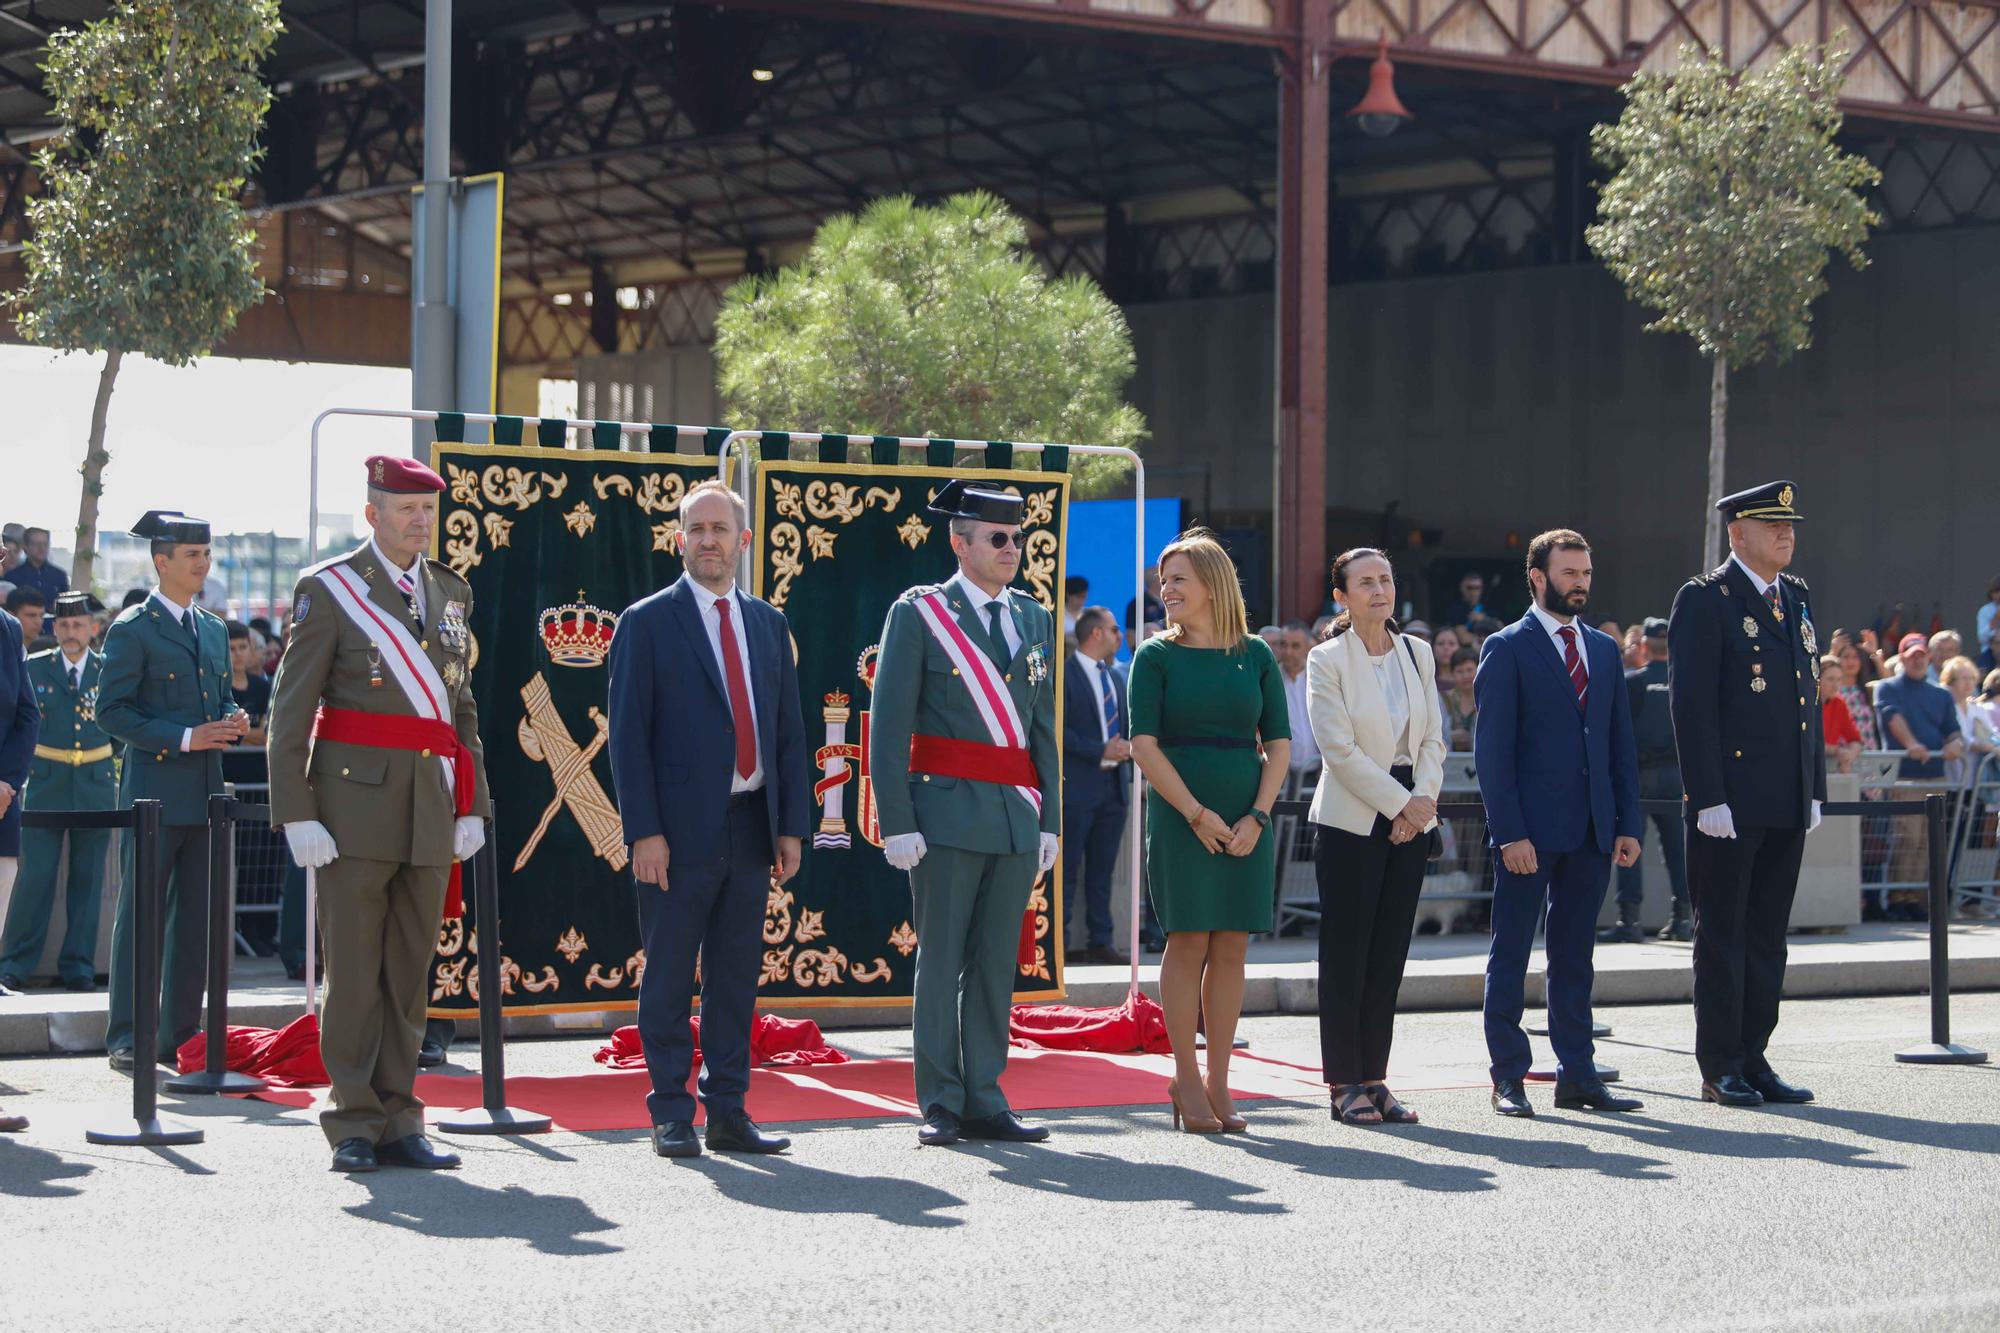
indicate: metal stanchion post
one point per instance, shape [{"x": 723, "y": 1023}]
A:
[
  {"x": 1940, "y": 1049},
  {"x": 147, "y": 1128},
  {"x": 493, "y": 1115},
  {"x": 216, "y": 1076}
]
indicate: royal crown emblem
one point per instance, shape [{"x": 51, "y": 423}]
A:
[
  {"x": 578, "y": 634},
  {"x": 1785, "y": 497}
]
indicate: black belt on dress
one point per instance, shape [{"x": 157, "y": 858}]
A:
[{"x": 1212, "y": 742}]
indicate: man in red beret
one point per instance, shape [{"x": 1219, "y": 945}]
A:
[{"x": 379, "y": 782}]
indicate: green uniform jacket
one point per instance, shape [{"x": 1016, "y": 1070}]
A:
[
  {"x": 69, "y": 723},
  {"x": 379, "y": 804},
  {"x": 153, "y": 687},
  {"x": 918, "y": 691}
]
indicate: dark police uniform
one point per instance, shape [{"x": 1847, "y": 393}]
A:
[
  {"x": 72, "y": 770},
  {"x": 1745, "y": 693},
  {"x": 162, "y": 678},
  {"x": 1659, "y": 780}
]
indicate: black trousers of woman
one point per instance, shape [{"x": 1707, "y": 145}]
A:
[{"x": 1368, "y": 890}]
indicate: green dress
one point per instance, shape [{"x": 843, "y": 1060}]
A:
[{"x": 1177, "y": 693}]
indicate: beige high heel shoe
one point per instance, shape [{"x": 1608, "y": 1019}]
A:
[
  {"x": 1231, "y": 1124},
  {"x": 1188, "y": 1121}
]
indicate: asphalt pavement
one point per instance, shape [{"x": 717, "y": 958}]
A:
[{"x": 1876, "y": 1208}]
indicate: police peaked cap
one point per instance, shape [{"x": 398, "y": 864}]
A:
[
  {"x": 960, "y": 499},
  {"x": 1771, "y": 501}
]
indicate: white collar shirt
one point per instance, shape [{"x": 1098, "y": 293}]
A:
[
  {"x": 980, "y": 601},
  {"x": 711, "y": 624},
  {"x": 1305, "y": 749},
  {"x": 1762, "y": 586},
  {"x": 1555, "y": 628},
  {"x": 415, "y": 572},
  {"x": 1092, "y": 672},
  {"x": 183, "y": 616}
]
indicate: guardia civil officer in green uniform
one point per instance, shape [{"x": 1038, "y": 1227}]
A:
[
  {"x": 1743, "y": 658},
  {"x": 379, "y": 782},
  {"x": 966, "y": 770},
  {"x": 72, "y": 770},
  {"x": 163, "y": 692}
]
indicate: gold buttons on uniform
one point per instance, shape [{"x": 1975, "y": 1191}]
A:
[
  {"x": 1008, "y": 677},
  {"x": 170, "y": 675},
  {"x": 343, "y": 772},
  {"x": 954, "y": 671},
  {"x": 1802, "y": 726},
  {"x": 424, "y": 644},
  {"x": 927, "y": 777},
  {"x": 1739, "y": 754},
  {"x": 427, "y": 753}
]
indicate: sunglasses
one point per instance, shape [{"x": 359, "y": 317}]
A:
[{"x": 1002, "y": 540}]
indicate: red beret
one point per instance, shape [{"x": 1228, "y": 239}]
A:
[{"x": 404, "y": 476}]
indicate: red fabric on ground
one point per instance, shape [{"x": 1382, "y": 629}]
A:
[
  {"x": 1136, "y": 1025},
  {"x": 773, "y": 1041},
  {"x": 288, "y": 1057}
]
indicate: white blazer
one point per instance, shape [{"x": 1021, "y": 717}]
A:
[{"x": 1350, "y": 720}]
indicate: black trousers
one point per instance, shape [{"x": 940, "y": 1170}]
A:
[
  {"x": 1092, "y": 835},
  {"x": 1742, "y": 889},
  {"x": 1368, "y": 890}
]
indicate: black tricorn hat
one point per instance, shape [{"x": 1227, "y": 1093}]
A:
[
  {"x": 73, "y": 603},
  {"x": 961, "y": 499},
  {"x": 171, "y": 525}
]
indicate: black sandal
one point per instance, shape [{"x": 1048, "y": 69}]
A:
[
  {"x": 1353, "y": 1106},
  {"x": 1393, "y": 1111}
]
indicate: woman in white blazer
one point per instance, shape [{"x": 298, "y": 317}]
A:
[{"x": 1377, "y": 718}]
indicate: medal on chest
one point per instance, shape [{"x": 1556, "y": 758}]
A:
[
  {"x": 86, "y": 705},
  {"x": 1038, "y": 665},
  {"x": 1750, "y": 630},
  {"x": 1757, "y": 682},
  {"x": 374, "y": 667},
  {"x": 1807, "y": 633},
  {"x": 452, "y": 630}
]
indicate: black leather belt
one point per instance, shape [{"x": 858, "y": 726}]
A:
[{"x": 1212, "y": 742}]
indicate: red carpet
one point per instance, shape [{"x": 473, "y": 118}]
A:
[{"x": 1036, "y": 1080}]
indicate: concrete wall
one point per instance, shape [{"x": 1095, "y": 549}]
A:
[{"x": 1531, "y": 399}]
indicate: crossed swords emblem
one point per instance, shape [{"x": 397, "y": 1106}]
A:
[{"x": 545, "y": 738}]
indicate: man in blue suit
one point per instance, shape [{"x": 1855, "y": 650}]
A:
[
  {"x": 1097, "y": 779},
  {"x": 708, "y": 759},
  {"x": 1559, "y": 773},
  {"x": 20, "y": 725}
]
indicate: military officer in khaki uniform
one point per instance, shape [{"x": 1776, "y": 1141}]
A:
[
  {"x": 378, "y": 779},
  {"x": 163, "y": 692}
]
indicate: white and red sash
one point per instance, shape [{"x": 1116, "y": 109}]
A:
[
  {"x": 406, "y": 661},
  {"x": 982, "y": 682}
]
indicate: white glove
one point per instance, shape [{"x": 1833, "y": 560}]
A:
[
  {"x": 904, "y": 850},
  {"x": 312, "y": 846},
  {"x": 1813, "y": 823},
  {"x": 1716, "y": 822},
  {"x": 468, "y": 835},
  {"x": 1049, "y": 849}
]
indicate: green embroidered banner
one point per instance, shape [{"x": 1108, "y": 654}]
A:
[
  {"x": 835, "y": 544},
  {"x": 556, "y": 543}
]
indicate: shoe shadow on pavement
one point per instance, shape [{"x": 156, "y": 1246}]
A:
[
  {"x": 437, "y": 1204},
  {"x": 788, "y": 1186},
  {"x": 1979, "y": 1137},
  {"x": 1348, "y": 1162},
  {"x": 28, "y": 1172},
  {"x": 1766, "y": 1136},
  {"x": 1108, "y": 1178},
  {"x": 1552, "y": 1153}
]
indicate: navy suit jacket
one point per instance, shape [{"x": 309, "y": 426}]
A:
[
  {"x": 20, "y": 723},
  {"x": 673, "y": 742},
  {"x": 1549, "y": 772},
  {"x": 1084, "y": 783}
]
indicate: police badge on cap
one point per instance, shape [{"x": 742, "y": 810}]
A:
[
  {"x": 1771, "y": 502},
  {"x": 961, "y": 499}
]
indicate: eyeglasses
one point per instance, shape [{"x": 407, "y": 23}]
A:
[{"x": 1002, "y": 540}]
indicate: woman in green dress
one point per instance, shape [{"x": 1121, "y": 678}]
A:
[{"x": 1202, "y": 696}]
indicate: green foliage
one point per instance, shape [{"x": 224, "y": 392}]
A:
[
  {"x": 140, "y": 241},
  {"x": 1728, "y": 197},
  {"x": 912, "y": 321}
]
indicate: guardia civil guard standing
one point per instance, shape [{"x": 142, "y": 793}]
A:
[
  {"x": 379, "y": 782},
  {"x": 966, "y": 766},
  {"x": 1744, "y": 663},
  {"x": 163, "y": 692},
  {"x": 73, "y": 770}
]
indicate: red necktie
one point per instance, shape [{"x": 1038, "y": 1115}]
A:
[
  {"x": 1577, "y": 675},
  {"x": 739, "y": 693}
]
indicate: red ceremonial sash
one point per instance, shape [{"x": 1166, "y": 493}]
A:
[
  {"x": 948, "y": 757},
  {"x": 400, "y": 731}
]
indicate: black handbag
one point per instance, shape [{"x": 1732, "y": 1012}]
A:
[{"x": 1434, "y": 848}]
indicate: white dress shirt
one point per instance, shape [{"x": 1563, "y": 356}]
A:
[
  {"x": 1396, "y": 694},
  {"x": 415, "y": 571},
  {"x": 1094, "y": 671},
  {"x": 977, "y": 596},
  {"x": 1763, "y": 588},
  {"x": 1305, "y": 750},
  {"x": 1555, "y": 628},
  {"x": 705, "y": 601},
  {"x": 180, "y": 614}
]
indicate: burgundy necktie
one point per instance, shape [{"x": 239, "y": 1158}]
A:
[
  {"x": 739, "y": 694},
  {"x": 1577, "y": 675}
]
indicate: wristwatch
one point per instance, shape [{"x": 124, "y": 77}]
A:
[{"x": 1263, "y": 820}]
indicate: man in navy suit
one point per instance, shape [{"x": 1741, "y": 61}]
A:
[
  {"x": 708, "y": 758},
  {"x": 1096, "y": 780},
  {"x": 1559, "y": 772}
]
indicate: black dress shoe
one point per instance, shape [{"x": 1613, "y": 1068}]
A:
[
  {"x": 429, "y": 1055},
  {"x": 11, "y": 985},
  {"x": 1005, "y": 1127},
  {"x": 1109, "y": 956},
  {"x": 1774, "y": 1089},
  {"x": 675, "y": 1138},
  {"x": 79, "y": 984},
  {"x": 940, "y": 1128},
  {"x": 415, "y": 1150},
  {"x": 737, "y": 1132},
  {"x": 1510, "y": 1098},
  {"x": 1731, "y": 1090},
  {"x": 1593, "y": 1096},
  {"x": 123, "y": 1062},
  {"x": 354, "y": 1155}
]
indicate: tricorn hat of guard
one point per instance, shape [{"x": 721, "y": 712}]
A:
[
  {"x": 961, "y": 499},
  {"x": 1772, "y": 502},
  {"x": 74, "y": 603},
  {"x": 171, "y": 525}
]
